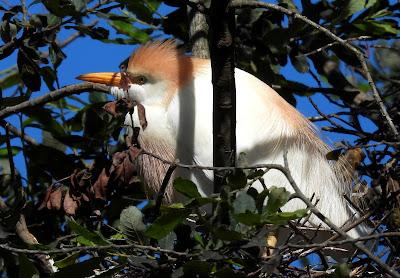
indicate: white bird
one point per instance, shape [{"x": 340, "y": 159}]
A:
[{"x": 176, "y": 92}]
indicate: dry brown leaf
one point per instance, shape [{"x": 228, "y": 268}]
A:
[
  {"x": 56, "y": 199},
  {"x": 46, "y": 198},
  {"x": 100, "y": 186},
  {"x": 111, "y": 108},
  {"x": 70, "y": 205},
  {"x": 354, "y": 157}
]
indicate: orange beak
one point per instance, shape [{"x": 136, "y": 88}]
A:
[{"x": 107, "y": 78}]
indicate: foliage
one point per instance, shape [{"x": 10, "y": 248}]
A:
[{"x": 81, "y": 188}]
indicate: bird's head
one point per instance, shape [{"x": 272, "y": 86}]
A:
[{"x": 155, "y": 72}]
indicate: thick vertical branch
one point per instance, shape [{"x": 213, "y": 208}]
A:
[
  {"x": 222, "y": 25},
  {"x": 198, "y": 33}
]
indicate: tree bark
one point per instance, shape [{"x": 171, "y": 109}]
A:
[
  {"x": 221, "y": 42},
  {"x": 198, "y": 33}
]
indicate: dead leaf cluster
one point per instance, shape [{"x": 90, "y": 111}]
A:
[{"x": 86, "y": 189}]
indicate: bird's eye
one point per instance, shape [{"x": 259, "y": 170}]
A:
[{"x": 141, "y": 80}]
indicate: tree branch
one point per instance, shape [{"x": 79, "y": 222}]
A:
[
  {"x": 7, "y": 247},
  {"x": 53, "y": 95},
  {"x": 329, "y": 243},
  {"x": 221, "y": 42},
  {"x": 18, "y": 133},
  {"x": 198, "y": 33}
]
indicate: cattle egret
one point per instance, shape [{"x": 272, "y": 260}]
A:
[{"x": 176, "y": 93}]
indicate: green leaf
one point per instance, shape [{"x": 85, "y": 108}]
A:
[
  {"x": 226, "y": 234},
  {"x": 254, "y": 174},
  {"x": 45, "y": 118},
  {"x": 248, "y": 218},
  {"x": 83, "y": 269},
  {"x": 128, "y": 29},
  {"x": 243, "y": 202},
  {"x": 11, "y": 101},
  {"x": 144, "y": 10},
  {"x": 8, "y": 31},
  {"x": 341, "y": 271},
  {"x": 300, "y": 63},
  {"x": 92, "y": 238},
  {"x": 10, "y": 80},
  {"x": 50, "y": 141},
  {"x": 168, "y": 241},
  {"x": 60, "y": 8},
  {"x": 131, "y": 221},
  {"x": 14, "y": 151},
  {"x": 277, "y": 197},
  {"x": 283, "y": 217},
  {"x": 352, "y": 7},
  {"x": 198, "y": 238},
  {"x": 67, "y": 261},
  {"x": 237, "y": 179},
  {"x": 49, "y": 77},
  {"x": 27, "y": 269},
  {"x": 56, "y": 55},
  {"x": 261, "y": 198},
  {"x": 28, "y": 69},
  {"x": 79, "y": 4},
  {"x": 377, "y": 27},
  {"x": 97, "y": 97},
  {"x": 201, "y": 201},
  {"x": 166, "y": 223},
  {"x": 186, "y": 187},
  {"x": 228, "y": 272},
  {"x": 197, "y": 268}
]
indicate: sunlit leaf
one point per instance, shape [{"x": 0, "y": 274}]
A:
[
  {"x": 131, "y": 221},
  {"x": 67, "y": 261},
  {"x": 277, "y": 197},
  {"x": 166, "y": 223},
  {"x": 128, "y": 29},
  {"x": 92, "y": 237},
  {"x": 186, "y": 187}
]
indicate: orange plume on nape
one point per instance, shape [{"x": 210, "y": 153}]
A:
[{"x": 107, "y": 78}]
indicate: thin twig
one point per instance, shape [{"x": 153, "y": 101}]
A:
[
  {"x": 7, "y": 247},
  {"x": 335, "y": 43},
  {"x": 163, "y": 188},
  {"x": 18, "y": 133},
  {"x": 10, "y": 159},
  {"x": 53, "y": 95},
  {"x": 329, "y": 243}
]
